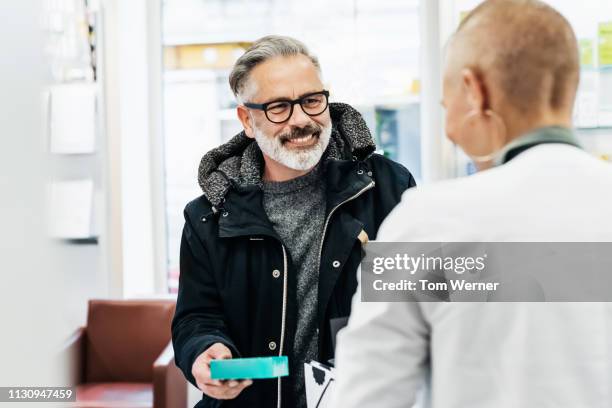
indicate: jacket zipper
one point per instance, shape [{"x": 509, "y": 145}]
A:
[
  {"x": 284, "y": 312},
  {"x": 360, "y": 192},
  {"x": 283, "y": 319}
]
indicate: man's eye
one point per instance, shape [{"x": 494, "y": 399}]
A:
[
  {"x": 312, "y": 101},
  {"x": 278, "y": 107}
]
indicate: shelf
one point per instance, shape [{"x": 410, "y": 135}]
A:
[
  {"x": 594, "y": 129},
  {"x": 79, "y": 241}
]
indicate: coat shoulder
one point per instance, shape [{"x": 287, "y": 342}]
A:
[
  {"x": 197, "y": 207},
  {"x": 199, "y": 216},
  {"x": 390, "y": 170}
]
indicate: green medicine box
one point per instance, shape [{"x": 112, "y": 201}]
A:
[{"x": 249, "y": 368}]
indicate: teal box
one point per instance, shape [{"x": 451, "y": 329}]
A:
[{"x": 249, "y": 368}]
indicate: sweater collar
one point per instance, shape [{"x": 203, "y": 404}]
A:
[{"x": 295, "y": 184}]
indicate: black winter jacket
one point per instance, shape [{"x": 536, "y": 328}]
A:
[{"x": 237, "y": 281}]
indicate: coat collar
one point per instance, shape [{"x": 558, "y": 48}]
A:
[
  {"x": 238, "y": 163},
  {"x": 544, "y": 135},
  {"x": 243, "y": 213}
]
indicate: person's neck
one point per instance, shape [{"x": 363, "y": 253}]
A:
[
  {"x": 517, "y": 127},
  {"x": 275, "y": 171}
]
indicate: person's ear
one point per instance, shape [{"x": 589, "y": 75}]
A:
[
  {"x": 475, "y": 90},
  {"x": 245, "y": 119}
]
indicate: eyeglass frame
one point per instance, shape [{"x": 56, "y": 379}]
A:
[{"x": 264, "y": 106}]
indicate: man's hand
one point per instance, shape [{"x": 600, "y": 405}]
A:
[{"x": 217, "y": 389}]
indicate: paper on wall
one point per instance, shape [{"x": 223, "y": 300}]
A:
[
  {"x": 73, "y": 118},
  {"x": 586, "y": 112},
  {"x": 605, "y": 98},
  {"x": 70, "y": 209},
  {"x": 605, "y": 44}
]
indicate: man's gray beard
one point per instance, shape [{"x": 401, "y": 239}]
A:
[{"x": 302, "y": 159}]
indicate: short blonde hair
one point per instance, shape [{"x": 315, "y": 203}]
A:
[{"x": 528, "y": 47}]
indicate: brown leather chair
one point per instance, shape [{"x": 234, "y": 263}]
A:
[{"x": 123, "y": 358}]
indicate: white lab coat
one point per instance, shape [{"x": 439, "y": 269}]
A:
[{"x": 489, "y": 354}]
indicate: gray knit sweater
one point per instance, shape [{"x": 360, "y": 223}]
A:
[{"x": 296, "y": 209}]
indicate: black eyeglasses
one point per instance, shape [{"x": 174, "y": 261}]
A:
[{"x": 280, "y": 111}]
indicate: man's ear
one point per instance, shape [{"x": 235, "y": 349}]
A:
[
  {"x": 245, "y": 119},
  {"x": 475, "y": 89}
]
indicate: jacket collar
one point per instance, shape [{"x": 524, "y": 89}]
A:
[
  {"x": 544, "y": 135},
  {"x": 243, "y": 213},
  {"x": 239, "y": 164}
]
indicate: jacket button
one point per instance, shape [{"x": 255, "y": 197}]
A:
[
  {"x": 336, "y": 264},
  {"x": 276, "y": 273},
  {"x": 272, "y": 345}
]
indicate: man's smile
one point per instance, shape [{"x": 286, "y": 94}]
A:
[{"x": 302, "y": 141}]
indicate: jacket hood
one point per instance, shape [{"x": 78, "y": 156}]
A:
[{"x": 239, "y": 162}]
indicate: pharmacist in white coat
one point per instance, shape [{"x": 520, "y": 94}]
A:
[{"x": 509, "y": 87}]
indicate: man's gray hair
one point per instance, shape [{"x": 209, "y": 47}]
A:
[{"x": 262, "y": 50}]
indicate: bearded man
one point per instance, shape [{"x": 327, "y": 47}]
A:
[{"x": 270, "y": 251}]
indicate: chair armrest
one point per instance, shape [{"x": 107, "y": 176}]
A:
[
  {"x": 169, "y": 384},
  {"x": 73, "y": 355}
]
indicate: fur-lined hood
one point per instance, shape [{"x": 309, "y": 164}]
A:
[{"x": 240, "y": 161}]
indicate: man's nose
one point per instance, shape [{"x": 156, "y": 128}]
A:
[{"x": 298, "y": 118}]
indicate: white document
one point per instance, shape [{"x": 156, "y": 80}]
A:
[
  {"x": 586, "y": 112},
  {"x": 320, "y": 384},
  {"x": 70, "y": 209},
  {"x": 73, "y": 119},
  {"x": 605, "y": 102}
]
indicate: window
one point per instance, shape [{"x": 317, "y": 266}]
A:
[{"x": 369, "y": 54}]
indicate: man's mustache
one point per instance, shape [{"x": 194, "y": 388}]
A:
[{"x": 297, "y": 133}]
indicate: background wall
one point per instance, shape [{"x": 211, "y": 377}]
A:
[{"x": 32, "y": 279}]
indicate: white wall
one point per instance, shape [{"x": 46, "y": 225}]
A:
[{"x": 32, "y": 281}]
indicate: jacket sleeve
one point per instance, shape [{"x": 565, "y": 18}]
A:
[
  {"x": 382, "y": 355},
  {"x": 198, "y": 321}
]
